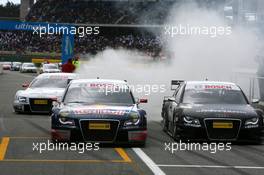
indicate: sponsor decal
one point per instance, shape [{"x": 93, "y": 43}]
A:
[
  {"x": 221, "y": 111},
  {"x": 228, "y": 87},
  {"x": 100, "y": 85},
  {"x": 213, "y": 86},
  {"x": 99, "y": 111}
]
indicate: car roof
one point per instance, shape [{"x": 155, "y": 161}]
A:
[
  {"x": 99, "y": 81},
  {"x": 28, "y": 63},
  {"x": 47, "y": 75},
  {"x": 7, "y": 62}
]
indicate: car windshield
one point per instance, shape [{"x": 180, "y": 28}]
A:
[
  {"x": 92, "y": 95},
  {"x": 50, "y": 66},
  {"x": 49, "y": 82},
  {"x": 28, "y": 65},
  {"x": 214, "y": 96},
  {"x": 16, "y": 64}
]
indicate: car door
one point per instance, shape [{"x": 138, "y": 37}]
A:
[
  {"x": 176, "y": 108},
  {"x": 174, "y": 102}
]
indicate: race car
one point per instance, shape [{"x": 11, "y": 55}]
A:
[
  {"x": 6, "y": 65},
  {"x": 210, "y": 111},
  {"x": 99, "y": 110},
  {"x": 49, "y": 68},
  {"x": 28, "y": 67},
  {"x": 16, "y": 66},
  {"x": 41, "y": 92}
]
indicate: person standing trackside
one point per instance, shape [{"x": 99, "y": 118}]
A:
[
  {"x": 76, "y": 62},
  {"x": 68, "y": 67}
]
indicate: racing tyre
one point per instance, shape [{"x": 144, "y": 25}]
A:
[
  {"x": 17, "y": 112},
  {"x": 141, "y": 144},
  {"x": 175, "y": 134},
  {"x": 165, "y": 124}
]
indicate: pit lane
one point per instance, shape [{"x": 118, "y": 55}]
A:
[{"x": 24, "y": 129}]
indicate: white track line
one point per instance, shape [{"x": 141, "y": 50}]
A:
[
  {"x": 212, "y": 166},
  {"x": 147, "y": 160}
]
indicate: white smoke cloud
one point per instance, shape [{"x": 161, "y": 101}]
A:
[
  {"x": 200, "y": 56},
  {"x": 194, "y": 57}
]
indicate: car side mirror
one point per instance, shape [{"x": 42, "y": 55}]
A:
[
  {"x": 56, "y": 102},
  {"x": 255, "y": 101},
  {"x": 25, "y": 85},
  {"x": 143, "y": 100},
  {"x": 171, "y": 99}
]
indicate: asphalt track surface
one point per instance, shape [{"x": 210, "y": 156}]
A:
[{"x": 18, "y": 132}]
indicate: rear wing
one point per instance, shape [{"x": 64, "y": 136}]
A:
[{"x": 175, "y": 84}]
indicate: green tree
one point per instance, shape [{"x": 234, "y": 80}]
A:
[{"x": 9, "y": 10}]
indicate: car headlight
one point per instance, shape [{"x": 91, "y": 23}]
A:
[
  {"x": 22, "y": 99},
  {"x": 190, "y": 121},
  {"x": 66, "y": 121},
  {"x": 252, "y": 121},
  {"x": 133, "y": 119}
]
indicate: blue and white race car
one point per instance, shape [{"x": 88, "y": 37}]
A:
[{"x": 97, "y": 110}]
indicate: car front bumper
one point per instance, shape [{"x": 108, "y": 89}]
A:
[
  {"x": 31, "y": 108},
  {"x": 29, "y": 70},
  {"x": 123, "y": 136},
  {"x": 202, "y": 134}
]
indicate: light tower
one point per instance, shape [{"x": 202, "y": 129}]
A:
[{"x": 25, "y": 6}]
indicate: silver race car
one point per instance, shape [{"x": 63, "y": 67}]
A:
[
  {"x": 41, "y": 92},
  {"x": 50, "y": 68},
  {"x": 28, "y": 67}
]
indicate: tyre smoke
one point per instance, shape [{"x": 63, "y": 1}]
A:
[{"x": 193, "y": 56}]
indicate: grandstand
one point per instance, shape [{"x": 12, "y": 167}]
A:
[
  {"x": 128, "y": 24},
  {"x": 106, "y": 11}
]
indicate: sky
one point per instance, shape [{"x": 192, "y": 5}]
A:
[{"x": 5, "y": 1}]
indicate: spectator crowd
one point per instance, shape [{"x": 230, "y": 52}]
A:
[
  {"x": 23, "y": 41},
  {"x": 109, "y": 11},
  {"x": 100, "y": 11}
]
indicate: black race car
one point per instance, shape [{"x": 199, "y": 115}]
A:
[
  {"x": 97, "y": 110},
  {"x": 210, "y": 111}
]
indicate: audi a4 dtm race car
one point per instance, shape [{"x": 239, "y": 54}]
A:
[
  {"x": 49, "y": 68},
  {"x": 41, "y": 92},
  {"x": 16, "y": 66},
  {"x": 28, "y": 67},
  {"x": 214, "y": 111},
  {"x": 97, "y": 110}
]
